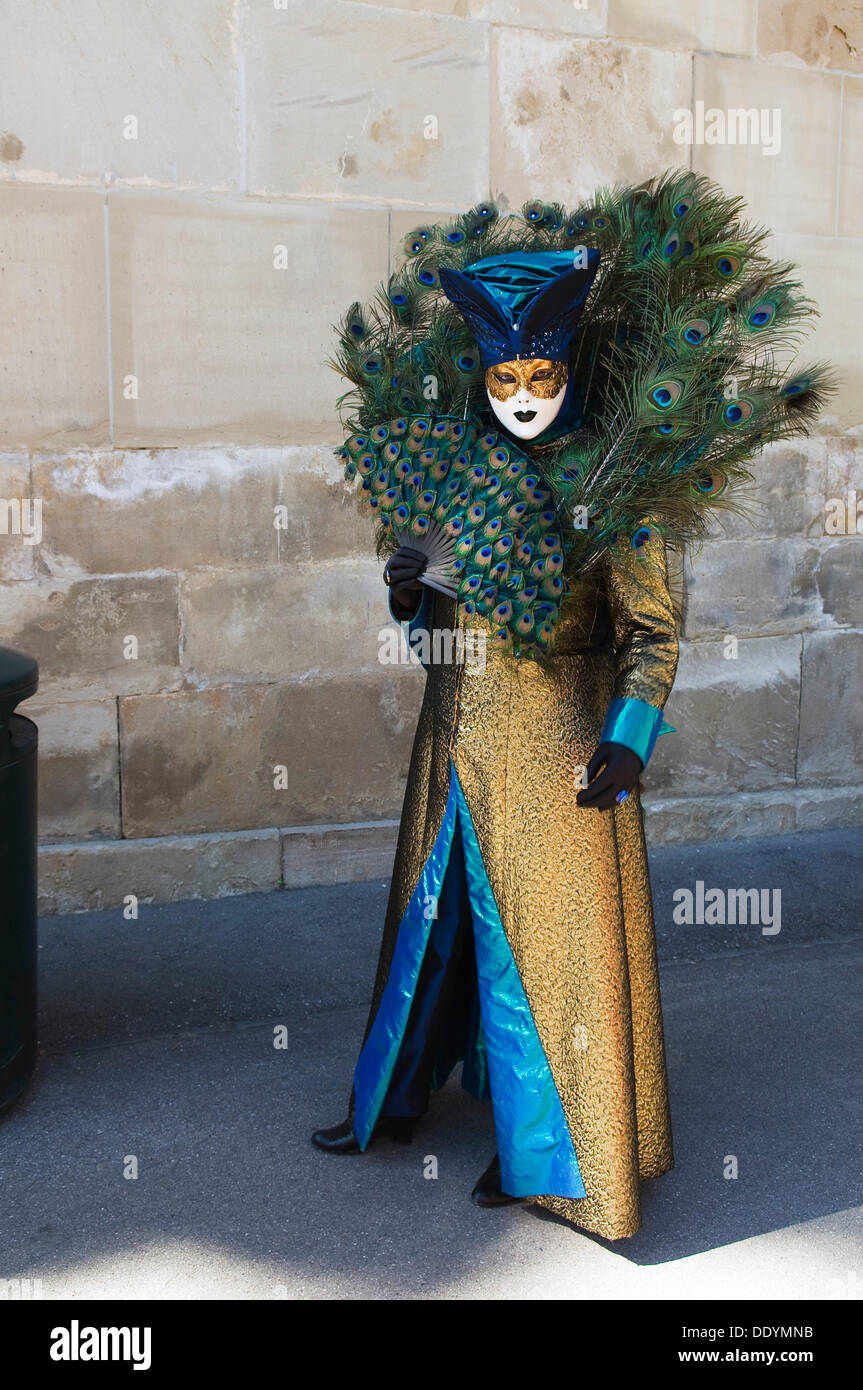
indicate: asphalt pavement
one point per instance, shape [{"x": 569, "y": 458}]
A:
[{"x": 185, "y": 1057}]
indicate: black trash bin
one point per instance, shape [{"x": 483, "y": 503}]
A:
[{"x": 19, "y": 737}]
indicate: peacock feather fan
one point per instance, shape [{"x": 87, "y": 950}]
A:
[
  {"x": 471, "y": 500},
  {"x": 682, "y": 367}
]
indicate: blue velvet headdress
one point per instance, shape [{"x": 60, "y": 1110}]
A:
[{"x": 522, "y": 304}]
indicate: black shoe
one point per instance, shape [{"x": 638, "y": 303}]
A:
[
  {"x": 341, "y": 1139},
  {"x": 488, "y": 1191}
]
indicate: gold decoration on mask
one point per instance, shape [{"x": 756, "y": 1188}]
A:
[{"x": 541, "y": 377}]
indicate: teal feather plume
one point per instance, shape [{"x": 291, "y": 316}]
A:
[{"x": 682, "y": 375}]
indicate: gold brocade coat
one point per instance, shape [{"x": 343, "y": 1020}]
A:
[{"x": 571, "y": 884}]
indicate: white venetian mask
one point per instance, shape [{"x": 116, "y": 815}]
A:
[{"x": 526, "y": 394}]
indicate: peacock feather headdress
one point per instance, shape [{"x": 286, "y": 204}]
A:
[{"x": 679, "y": 344}]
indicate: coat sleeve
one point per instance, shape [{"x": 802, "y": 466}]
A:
[
  {"x": 646, "y": 643},
  {"x": 417, "y": 621}
]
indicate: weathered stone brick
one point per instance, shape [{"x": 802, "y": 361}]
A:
[
  {"x": 78, "y": 629},
  {"x": 71, "y": 86},
  {"x": 350, "y": 118},
  {"x": 224, "y": 346},
  {"x": 559, "y": 106},
  {"x": 795, "y": 189},
  {"x": 725, "y": 28},
  {"x": 766, "y": 586},
  {"x": 831, "y": 710},
  {"x": 338, "y": 853},
  {"x": 79, "y": 773},
  {"x": 821, "y": 36},
  {"x": 82, "y": 877},
  {"x": 850, "y": 220},
  {"x": 205, "y": 760},
  {"x": 786, "y": 497},
  {"x": 839, "y": 577},
  {"x": 736, "y": 719},
  {"x": 53, "y": 351},
  {"x": 830, "y": 270},
  {"x": 20, "y": 521},
  {"x": 253, "y": 625},
  {"x": 586, "y": 19},
  {"x": 185, "y": 509}
]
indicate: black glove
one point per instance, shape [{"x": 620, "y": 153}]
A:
[
  {"x": 621, "y": 771},
  {"x": 401, "y": 573}
]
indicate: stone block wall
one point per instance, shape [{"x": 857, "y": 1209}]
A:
[{"x": 189, "y": 197}]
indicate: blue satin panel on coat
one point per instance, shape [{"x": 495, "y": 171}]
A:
[
  {"x": 378, "y": 1057},
  {"x": 537, "y": 1155}
]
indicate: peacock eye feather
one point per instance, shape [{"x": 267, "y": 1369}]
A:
[
  {"x": 682, "y": 208},
  {"x": 695, "y": 331},
  {"x": 727, "y": 266},
  {"x": 794, "y": 388},
  {"x": 737, "y": 412},
  {"x": 454, "y": 236},
  {"x": 641, "y": 537},
  {"x": 710, "y": 483},
  {"x": 427, "y": 277},
  {"x": 665, "y": 394},
  {"x": 762, "y": 315}
]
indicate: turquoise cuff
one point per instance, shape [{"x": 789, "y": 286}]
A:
[
  {"x": 419, "y": 621},
  {"x": 635, "y": 724}
]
